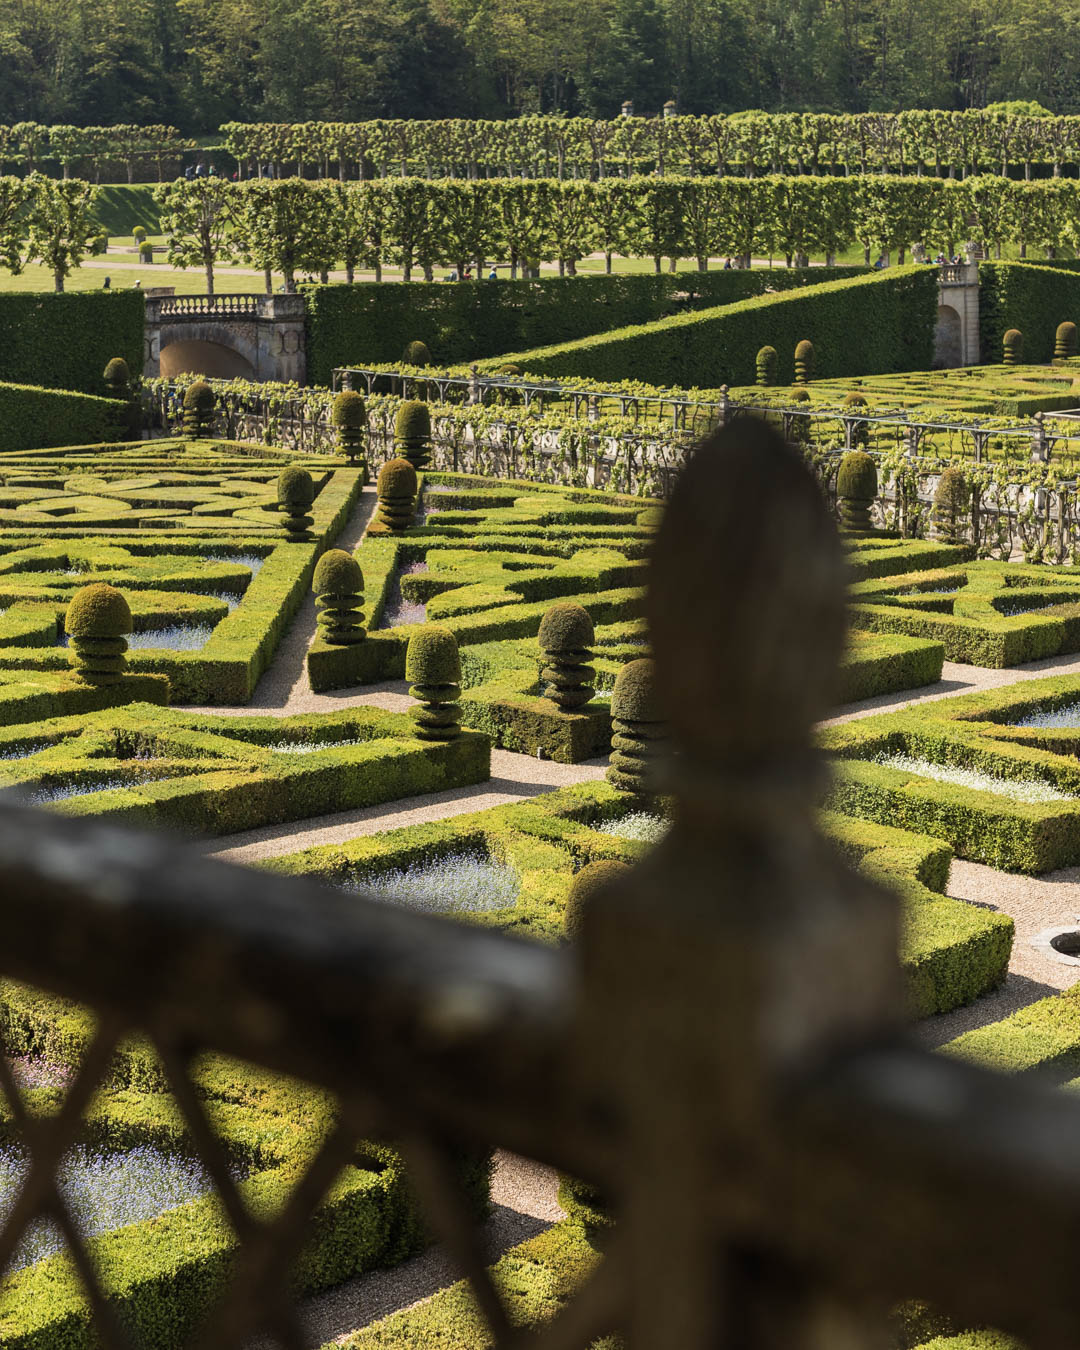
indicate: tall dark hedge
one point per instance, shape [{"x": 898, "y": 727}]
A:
[
  {"x": 31, "y": 418},
  {"x": 64, "y": 341},
  {"x": 1029, "y": 296},
  {"x": 868, "y": 325},
  {"x": 466, "y": 321}
]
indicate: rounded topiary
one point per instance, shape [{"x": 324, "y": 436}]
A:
[
  {"x": 804, "y": 362},
  {"x": 338, "y": 584},
  {"x": 951, "y": 499},
  {"x": 566, "y": 637},
  {"x": 856, "y": 487},
  {"x": 1065, "y": 341},
  {"x": 138, "y": 234},
  {"x": 765, "y": 362},
  {"x": 800, "y": 396},
  {"x": 396, "y": 486},
  {"x": 117, "y": 378},
  {"x": 1012, "y": 345},
  {"x": 637, "y": 728},
  {"x": 584, "y": 886},
  {"x": 348, "y": 415},
  {"x": 295, "y": 494},
  {"x": 433, "y": 669},
  {"x": 97, "y": 622},
  {"x": 417, "y": 354},
  {"x": 412, "y": 432},
  {"x": 198, "y": 409},
  {"x": 859, "y": 431}
]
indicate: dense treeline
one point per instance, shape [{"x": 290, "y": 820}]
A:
[{"x": 197, "y": 63}]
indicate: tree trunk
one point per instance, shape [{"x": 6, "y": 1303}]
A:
[
  {"x": 702, "y": 263},
  {"x": 209, "y": 276},
  {"x": 657, "y": 263},
  {"x": 406, "y": 272},
  {"x": 562, "y": 268},
  {"x": 607, "y": 262},
  {"x": 672, "y": 264},
  {"x": 269, "y": 278},
  {"x": 350, "y": 273},
  {"x": 58, "y": 280},
  {"x": 324, "y": 275},
  {"x": 378, "y": 270}
]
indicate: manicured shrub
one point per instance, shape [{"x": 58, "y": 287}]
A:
[
  {"x": 146, "y": 253},
  {"x": 412, "y": 432},
  {"x": 592, "y": 877},
  {"x": 1065, "y": 341},
  {"x": 295, "y": 493},
  {"x": 860, "y": 431},
  {"x": 348, "y": 414},
  {"x": 951, "y": 500},
  {"x": 1013, "y": 347},
  {"x": 97, "y": 622},
  {"x": 138, "y": 234},
  {"x": 856, "y": 487},
  {"x": 804, "y": 362},
  {"x": 765, "y": 362},
  {"x": 650, "y": 518},
  {"x": 199, "y": 410},
  {"x": 396, "y": 486},
  {"x": 433, "y": 669},
  {"x": 117, "y": 378},
  {"x": 566, "y": 638},
  {"x": 339, "y": 594},
  {"x": 638, "y": 729},
  {"x": 416, "y": 354}
]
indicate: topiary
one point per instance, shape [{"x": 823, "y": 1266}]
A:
[
  {"x": 860, "y": 431},
  {"x": 117, "y": 378},
  {"x": 97, "y": 621},
  {"x": 396, "y": 486},
  {"x": 138, "y": 234},
  {"x": 765, "y": 362},
  {"x": 433, "y": 669},
  {"x": 584, "y": 885},
  {"x": 412, "y": 432},
  {"x": 856, "y": 486},
  {"x": 348, "y": 414},
  {"x": 338, "y": 584},
  {"x": 417, "y": 354},
  {"x": 951, "y": 500},
  {"x": 637, "y": 726},
  {"x": 1013, "y": 347},
  {"x": 198, "y": 409},
  {"x": 566, "y": 637},
  {"x": 804, "y": 362},
  {"x": 295, "y": 494},
  {"x": 1065, "y": 341}
]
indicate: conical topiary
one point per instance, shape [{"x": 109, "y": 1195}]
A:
[
  {"x": 339, "y": 596},
  {"x": 348, "y": 415},
  {"x": 396, "y": 486},
  {"x": 1065, "y": 341},
  {"x": 950, "y": 506},
  {"x": 765, "y": 362},
  {"x": 295, "y": 494},
  {"x": 638, "y": 729},
  {"x": 566, "y": 637},
  {"x": 433, "y": 669},
  {"x": 856, "y": 487},
  {"x": 804, "y": 362},
  {"x": 417, "y": 354},
  {"x": 97, "y": 622},
  {"x": 412, "y": 432},
  {"x": 198, "y": 410},
  {"x": 584, "y": 885},
  {"x": 1012, "y": 345}
]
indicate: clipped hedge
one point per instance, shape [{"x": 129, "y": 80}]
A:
[
  {"x": 371, "y": 323},
  {"x": 63, "y": 341},
  {"x": 1027, "y": 296},
  {"x": 33, "y": 417},
  {"x": 862, "y": 326}
]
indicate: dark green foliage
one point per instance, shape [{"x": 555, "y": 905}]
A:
[
  {"x": 1013, "y": 347},
  {"x": 416, "y": 354},
  {"x": 32, "y": 417},
  {"x": 62, "y": 341},
  {"x": 348, "y": 413},
  {"x": 117, "y": 378},
  {"x": 804, "y": 361},
  {"x": 296, "y": 493},
  {"x": 433, "y": 669},
  {"x": 951, "y": 500},
  {"x": 339, "y": 594},
  {"x": 592, "y": 877},
  {"x": 199, "y": 401},
  {"x": 765, "y": 366},
  {"x": 396, "y": 486},
  {"x": 1065, "y": 341},
  {"x": 138, "y": 234},
  {"x": 97, "y": 621},
  {"x": 650, "y": 517},
  {"x": 412, "y": 432},
  {"x": 566, "y": 638},
  {"x": 638, "y": 729},
  {"x": 1030, "y": 297},
  {"x": 856, "y": 486}
]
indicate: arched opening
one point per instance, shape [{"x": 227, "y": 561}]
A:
[
  {"x": 204, "y": 358},
  {"x": 948, "y": 344}
]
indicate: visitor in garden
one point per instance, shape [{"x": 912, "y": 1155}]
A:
[{"x": 493, "y": 275}]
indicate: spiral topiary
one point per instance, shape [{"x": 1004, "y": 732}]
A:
[
  {"x": 765, "y": 362},
  {"x": 951, "y": 500},
  {"x": 348, "y": 414},
  {"x": 295, "y": 494},
  {"x": 1013, "y": 347},
  {"x": 856, "y": 486},
  {"x": 396, "y": 486},
  {"x": 412, "y": 432},
  {"x": 638, "y": 728},
  {"x": 97, "y": 621},
  {"x": 1065, "y": 341},
  {"x": 566, "y": 637},
  {"x": 338, "y": 584},
  {"x": 433, "y": 669},
  {"x": 198, "y": 409},
  {"x": 584, "y": 885},
  {"x": 417, "y": 354},
  {"x": 804, "y": 362}
]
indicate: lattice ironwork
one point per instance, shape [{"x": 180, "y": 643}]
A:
[{"x": 722, "y": 1050}]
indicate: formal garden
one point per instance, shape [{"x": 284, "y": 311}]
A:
[{"x": 385, "y": 629}]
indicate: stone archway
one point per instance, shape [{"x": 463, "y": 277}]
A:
[
  {"x": 948, "y": 338},
  {"x": 196, "y": 356}
]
